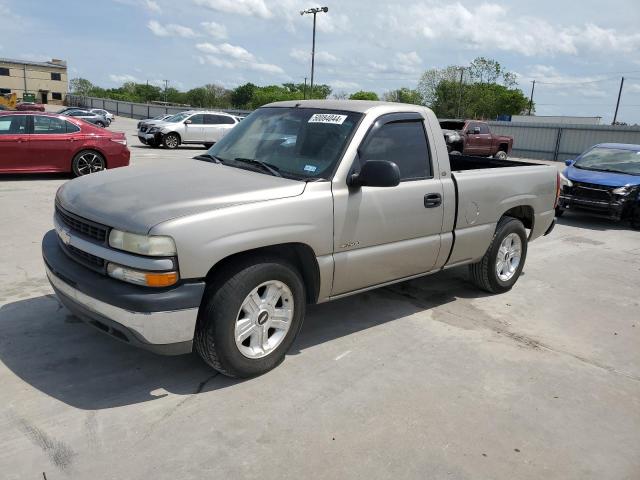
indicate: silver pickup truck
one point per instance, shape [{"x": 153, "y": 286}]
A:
[{"x": 303, "y": 202}]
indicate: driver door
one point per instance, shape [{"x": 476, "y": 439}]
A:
[
  {"x": 387, "y": 233},
  {"x": 194, "y": 130}
]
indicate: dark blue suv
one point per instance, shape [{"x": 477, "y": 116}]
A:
[{"x": 604, "y": 180}]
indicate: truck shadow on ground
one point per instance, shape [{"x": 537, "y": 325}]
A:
[{"x": 51, "y": 350}]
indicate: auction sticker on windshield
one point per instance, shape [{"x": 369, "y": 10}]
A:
[{"x": 328, "y": 118}]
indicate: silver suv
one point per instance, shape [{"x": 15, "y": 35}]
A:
[{"x": 205, "y": 127}]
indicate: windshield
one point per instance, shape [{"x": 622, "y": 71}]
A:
[
  {"x": 177, "y": 117},
  {"x": 611, "y": 160},
  {"x": 302, "y": 143},
  {"x": 451, "y": 125}
]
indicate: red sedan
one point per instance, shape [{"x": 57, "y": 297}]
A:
[
  {"x": 30, "y": 106},
  {"x": 33, "y": 142}
]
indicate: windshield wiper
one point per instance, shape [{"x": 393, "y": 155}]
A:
[
  {"x": 272, "y": 169},
  {"x": 206, "y": 157}
]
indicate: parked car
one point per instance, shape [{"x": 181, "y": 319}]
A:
[
  {"x": 30, "y": 106},
  {"x": 205, "y": 127},
  {"x": 86, "y": 115},
  {"x": 223, "y": 254},
  {"x": 33, "y": 142},
  {"x": 472, "y": 137},
  {"x": 605, "y": 181},
  {"x": 108, "y": 115}
]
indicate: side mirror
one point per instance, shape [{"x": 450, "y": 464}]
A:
[
  {"x": 187, "y": 121},
  {"x": 569, "y": 162},
  {"x": 376, "y": 173}
]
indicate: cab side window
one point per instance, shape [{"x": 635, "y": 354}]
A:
[
  {"x": 405, "y": 144},
  {"x": 484, "y": 129}
]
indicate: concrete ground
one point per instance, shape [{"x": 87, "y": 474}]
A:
[{"x": 428, "y": 379}]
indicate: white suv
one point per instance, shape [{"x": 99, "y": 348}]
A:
[{"x": 203, "y": 127}]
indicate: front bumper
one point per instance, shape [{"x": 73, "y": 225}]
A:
[
  {"x": 150, "y": 138},
  {"x": 614, "y": 209},
  {"x": 160, "y": 320}
]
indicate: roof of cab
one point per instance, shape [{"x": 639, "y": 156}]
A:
[{"x": 360, "y": 106}]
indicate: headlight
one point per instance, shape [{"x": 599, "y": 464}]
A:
[
  {"x": 622, "y": 190},
  {"x": 153, "y": 245},
  {"x": 138, "y": 277},
  {"x": 564, "y": 181}
]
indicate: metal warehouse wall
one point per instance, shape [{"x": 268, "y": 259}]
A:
[
  {"x": 136, "y": 110},
  {"x": 554, "y": 141}
]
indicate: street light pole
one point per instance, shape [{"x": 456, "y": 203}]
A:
[{"x": 314, "y": 11}]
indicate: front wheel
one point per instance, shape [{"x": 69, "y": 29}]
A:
[
  {"x": 502, "y": 264},
  {"x": 501, "y": 155},
  {"x": 87, "y": 162},
  {"x": 171, "y": 141},
  {"x": 250, "y": 318}
]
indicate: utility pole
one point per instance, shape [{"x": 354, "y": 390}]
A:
[
  {"x": 24, "y": 71},
  {"x": 533, "y": 87},
  {"x": 460, "y": 92},
  {"x": 305, "y": 88},
  {"x": 615, "y": 115},
  {"x": 314, "y": 11},
  {"x": 166, "y": 85}
]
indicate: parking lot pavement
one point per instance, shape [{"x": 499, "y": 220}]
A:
[{"x": 426, "y": 379}]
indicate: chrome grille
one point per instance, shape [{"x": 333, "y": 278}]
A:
[{"x": 84, "y": 227}]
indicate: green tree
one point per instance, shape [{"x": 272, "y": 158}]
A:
[
  {"x": 485, "y": 90},
  {"x": 364, "y": 95},
  {"x": 80, "y": 86},
  {"x": 242, "y": 96},
  {"x": 403, "y": 95}
]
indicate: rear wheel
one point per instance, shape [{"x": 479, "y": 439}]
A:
[
  {"x": 250, "y": 318},
  {"x": 87, "y": 162},
  {"x": 100, "y": 124},
  {"x": 171, "y": 141},
  {"x": 501, "y": 155},
  {"x": 502, "y": 264},
  {"x": 559, "y": 212}
]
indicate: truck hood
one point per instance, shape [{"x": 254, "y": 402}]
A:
[
  {"x": 135, "y": 199},
  {"x": 601, "y": 178}
]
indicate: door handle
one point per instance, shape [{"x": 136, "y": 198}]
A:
[{"x": 432, "y": 200}]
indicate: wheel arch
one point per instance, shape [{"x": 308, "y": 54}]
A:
[
  {"x": 299, "y": 255},
  {"x": 524, "y": 213}
]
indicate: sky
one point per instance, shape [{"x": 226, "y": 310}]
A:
[{"x": 576, "y": 51}]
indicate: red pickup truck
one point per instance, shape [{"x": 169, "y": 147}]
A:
[{"x": 472, "y": 137}]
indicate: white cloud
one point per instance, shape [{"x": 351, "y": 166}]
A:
[
  {"x": 170, "y": 30},
  {"x": 322, "y": 57},
  {"x": 215, "y": 30},
  {"x": 152, "y": 6},
  {"x": 342, "y": 85},
  {"x": 230, "y": 56},
  {"x": 549, "y": 79},
  {"x": 491, "y": 26},
  {"x": 122, "y": 78},
  {"x": 241, "y": 7},
  {"x": 35, "y": 57},
  {"x": 410, "y": 58},
  {"x": 634, "y": 88}
]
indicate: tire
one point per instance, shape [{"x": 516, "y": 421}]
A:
[
  {"x": 559, "y": 212},
  {"x": 171, "y": 141},
  {"x": 100, "y": 124},
  {"x": 501, "y": 155},
  {"x": 454, "y": 152},
  {"x": 208, "y": 145},
  {"x": 485, "y": 273},
  {"x": 224, "y": 310},
  {"x": 635, "y": 218},
  {"x": 86, "y": 162}
]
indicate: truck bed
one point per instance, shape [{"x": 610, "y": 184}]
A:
[{"x": 460, "y": 163}]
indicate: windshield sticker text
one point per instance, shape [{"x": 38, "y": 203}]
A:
[{"x": 328, "y": 118}]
